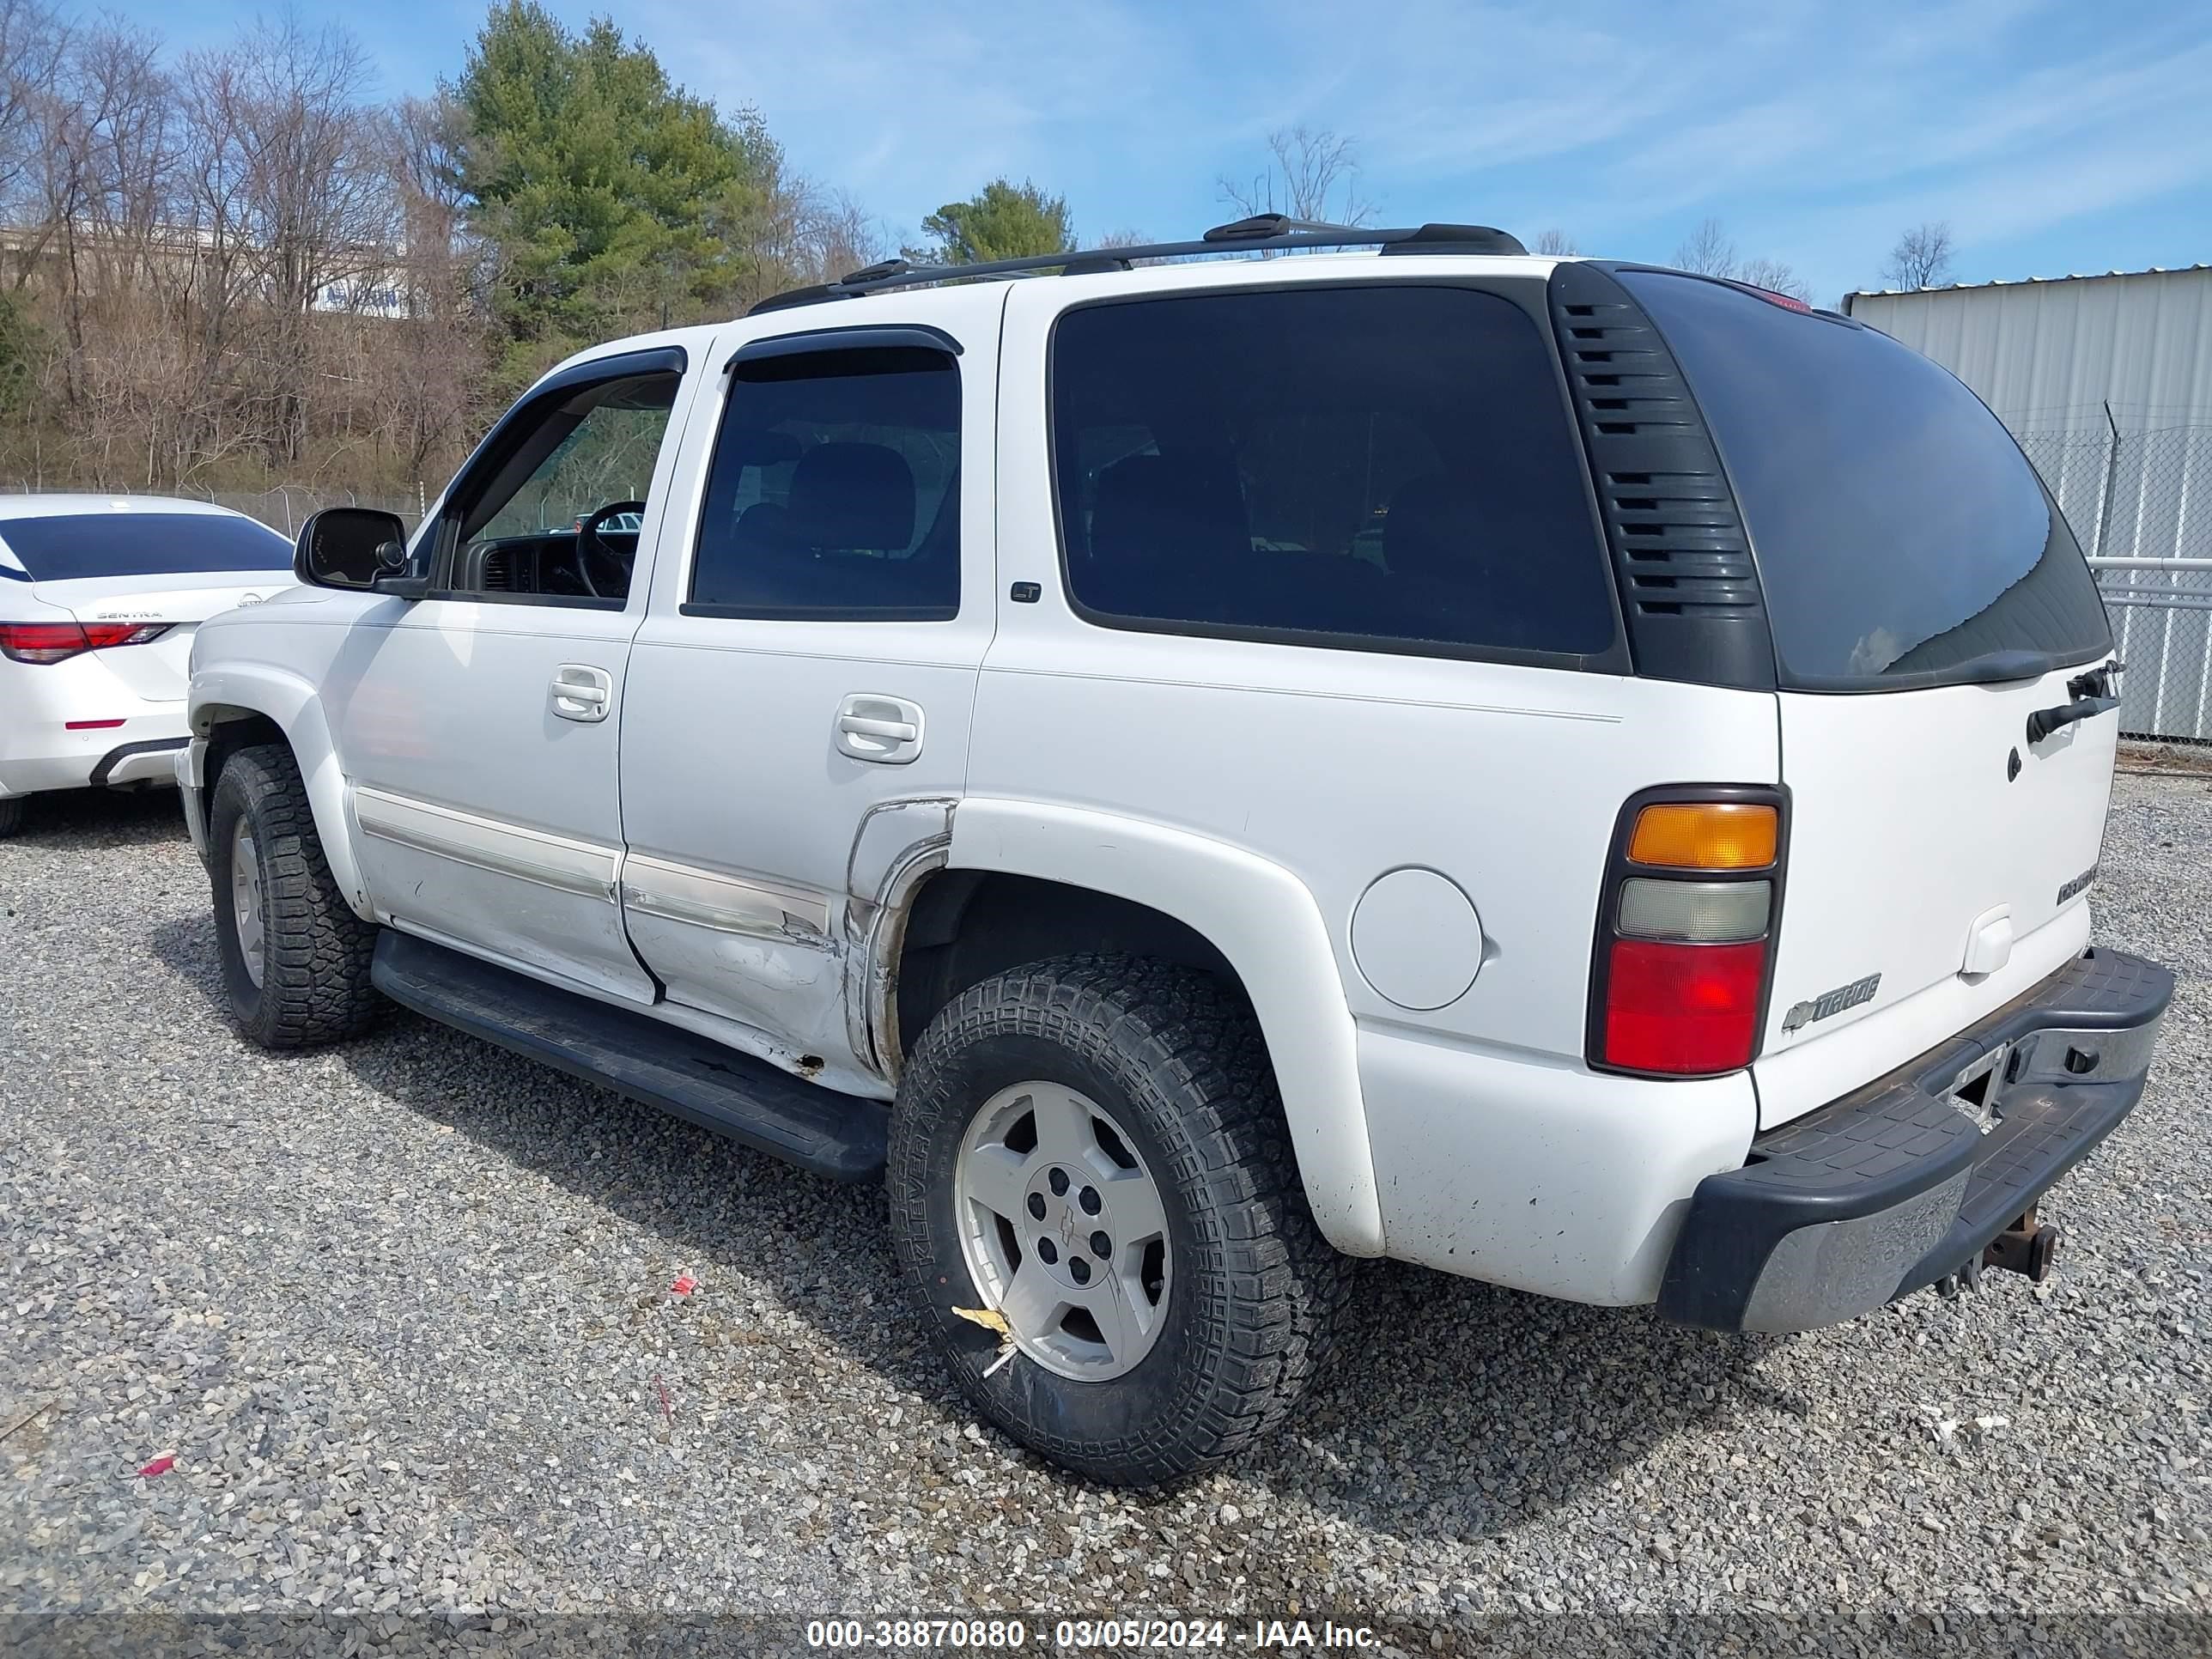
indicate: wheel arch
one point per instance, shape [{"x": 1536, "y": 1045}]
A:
[
  {"x": 234, "y": 706},
  {"x": 1215, "y": 903}
]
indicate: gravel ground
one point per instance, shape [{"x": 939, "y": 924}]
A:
[{"x": 401, "y": 1313}]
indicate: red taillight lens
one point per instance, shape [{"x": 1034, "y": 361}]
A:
[
  {"x": 1683, "y": 1010},
  {"x": 44, "y": 643}
]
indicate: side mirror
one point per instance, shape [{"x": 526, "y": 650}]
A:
[{"x": 353, "y": 548}]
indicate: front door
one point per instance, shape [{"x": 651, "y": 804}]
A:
[
  {"x": 479, "y": 726},
  {"x": 811, "y": 654}
]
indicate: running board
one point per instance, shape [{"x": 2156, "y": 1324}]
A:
[{"x": 838, "y": 1135}]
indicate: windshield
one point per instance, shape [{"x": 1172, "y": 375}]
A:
[
  {"x": 1901, "y": 534},
  {"x": 66, "y": 546}
]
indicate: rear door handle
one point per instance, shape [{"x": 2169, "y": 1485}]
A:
[
  {"x": 884, "y": 730},
  {"x": 581, "y": 692}
]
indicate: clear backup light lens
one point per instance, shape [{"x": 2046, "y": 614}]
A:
[
  {"x": 100, "y": 635},
  {"x": 1695, "y": 912}
]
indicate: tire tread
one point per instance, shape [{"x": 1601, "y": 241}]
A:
[
  {"x": 316, "y": 953},
  {"x": 1268, "y": 1316}
]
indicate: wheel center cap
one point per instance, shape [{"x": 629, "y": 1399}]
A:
[{"x": 1065, "y": 1225}]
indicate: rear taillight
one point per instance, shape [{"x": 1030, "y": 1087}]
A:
[
  {"x": 42, "y": 642},
  {"x": 1685, "y": 931}
]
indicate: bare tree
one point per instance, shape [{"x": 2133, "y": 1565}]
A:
[
  {"x": 32, "y": 42},
  {"x": 1922, "y": 258},
  {"x": 1776, "y": 277},
  {"x": 299, "y": 204},
  {"x": 1311, "y": 174},
  {"x": 429, "y": 371},
  {"x": 1708, "y": 251},
  {"x": 1556, "y": 243},
  {"x": 837, "y": 235}
]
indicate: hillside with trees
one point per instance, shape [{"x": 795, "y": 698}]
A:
[
  {"x": 246, "y": 270},
  {"x": 226, "y": 270}
]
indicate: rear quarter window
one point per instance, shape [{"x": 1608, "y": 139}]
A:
[
  {"x": 1386, "y": 467},
  {"x": 1900, "y": 535}
]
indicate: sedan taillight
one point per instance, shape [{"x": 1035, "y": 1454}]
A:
[{"x": 44, "y": 643}]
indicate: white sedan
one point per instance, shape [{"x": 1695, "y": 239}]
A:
[{"x": 100, "y": 596}]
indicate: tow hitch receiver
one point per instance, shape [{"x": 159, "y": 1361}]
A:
[{"x": 2027, "y": 1247}]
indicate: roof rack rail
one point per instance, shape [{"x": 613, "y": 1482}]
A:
[{"x": 1262, "y": 231}]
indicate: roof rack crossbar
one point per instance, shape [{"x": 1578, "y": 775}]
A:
[{"x": 1261, "y": 232}]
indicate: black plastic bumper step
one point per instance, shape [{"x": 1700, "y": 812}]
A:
[{"x": 838, "y": 1135}]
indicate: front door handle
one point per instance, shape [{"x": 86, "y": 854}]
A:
[
  {"x": 884, "y": 730},
  {"x": 581, "y": 692}
]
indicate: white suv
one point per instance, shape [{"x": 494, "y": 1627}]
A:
[{"x": 1568, "y": 773}]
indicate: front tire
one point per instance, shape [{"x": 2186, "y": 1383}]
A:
[
  {"x": 11, "y": 815},
  {"x": 295, "y": 958},
  {"x": 1093, "y": 1148}
]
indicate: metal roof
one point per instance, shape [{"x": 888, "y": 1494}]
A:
[
  {"x": 2132, "y": 350},
  {"x": 2017, "y": 281}
]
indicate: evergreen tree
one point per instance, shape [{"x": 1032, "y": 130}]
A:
[
  {"x": 616, "y": 200},
  {"x": 1002, "y": 220}
]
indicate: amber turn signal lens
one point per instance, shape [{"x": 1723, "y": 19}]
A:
[{"x": 1704, "y": 836}]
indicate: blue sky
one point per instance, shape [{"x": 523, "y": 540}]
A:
[{"x": 2054, "y": 135}]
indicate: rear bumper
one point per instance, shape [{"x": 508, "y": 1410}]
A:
[
  {"x": 142, "y": 750},
  {"x": 1894, "y": 1187}
]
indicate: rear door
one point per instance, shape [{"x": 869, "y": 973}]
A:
[
  {"x": 1928, "y": 603},
  {"x": 822, "y": 603}
]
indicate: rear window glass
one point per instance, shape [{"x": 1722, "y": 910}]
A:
[
  {"x": 65, "y": 547},
  {"x": 1900, "y": 532},
  {"x": 1386, "y": 464}
]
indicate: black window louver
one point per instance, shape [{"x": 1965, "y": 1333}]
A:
[{"x": 1688, "y": 586}]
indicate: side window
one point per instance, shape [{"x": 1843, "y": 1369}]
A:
[
  {"x": 835, "y": 490},
  {"x": 558, "y": 513},
  {"x": 1382, "y": 464}
]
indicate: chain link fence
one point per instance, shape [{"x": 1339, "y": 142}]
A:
[{"x": 2142, "y": 503}]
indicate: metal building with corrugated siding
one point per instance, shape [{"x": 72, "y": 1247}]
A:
[{"x": 2107, "y": 383}]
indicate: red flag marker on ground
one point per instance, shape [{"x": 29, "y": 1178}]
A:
[
  {"x": 161, "y": 1465},
  {"x": 684, "y": 1285}
]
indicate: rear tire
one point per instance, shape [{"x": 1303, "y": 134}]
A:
[
  {"x": 295, "y": 958},
  {"x": 11, "y": 815},
  {"x": 1225, "y": 1326}
]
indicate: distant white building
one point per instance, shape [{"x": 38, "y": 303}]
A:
[
  {"x": 2107, "y": 383},
  {"x": 2041, "y": 352}
]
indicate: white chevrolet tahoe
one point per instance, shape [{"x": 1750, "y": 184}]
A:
[{"x": 1561, "y": 771}]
